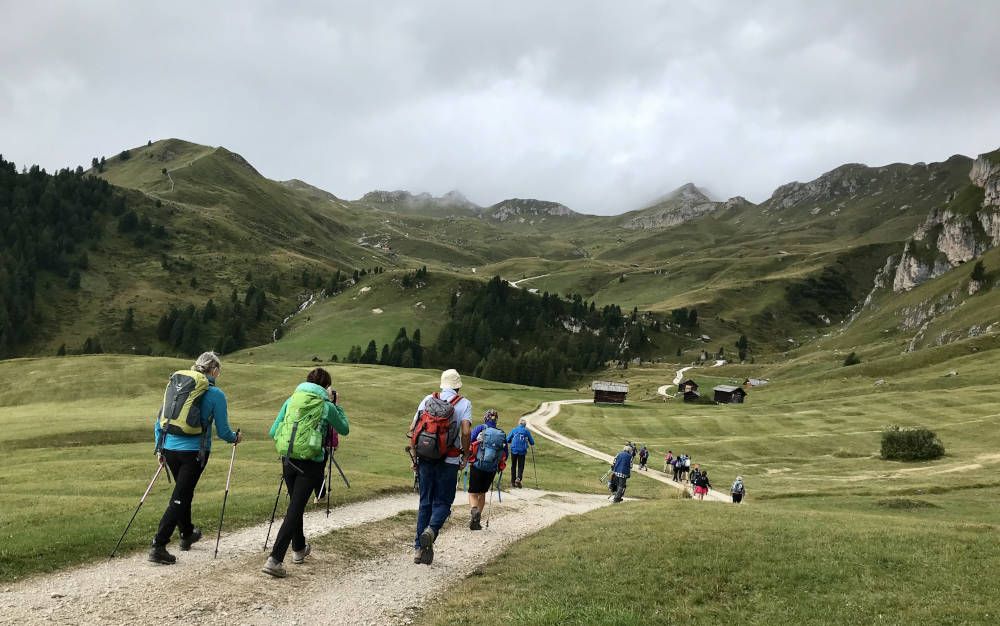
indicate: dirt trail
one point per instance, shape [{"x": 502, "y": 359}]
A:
[
  {"x": 383, "y": 589},
  {"x": 539, "y": 420}
]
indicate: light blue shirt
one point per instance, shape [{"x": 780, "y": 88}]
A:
[{"x": 463, "y": 413}]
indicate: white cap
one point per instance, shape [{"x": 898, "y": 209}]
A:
[{"x": 450, "y": 379}]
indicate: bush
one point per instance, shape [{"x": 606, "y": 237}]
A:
[
  {"x": 910, "y": 444},
  {"x": 852, "y": 359}
]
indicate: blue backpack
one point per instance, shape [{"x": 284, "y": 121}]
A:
[{"x": 491, "y": 445}]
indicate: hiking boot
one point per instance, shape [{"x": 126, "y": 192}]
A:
[
  {"x": 159, "y": 554},
  {"x": 427, "y": 546},
  {"x": 274, "y": 568},
  {"x": 474, "y": 521},
  {"x": 187, "y": 540},
  {"x": 418, "y": 556},
  {"x": 299, "y": 556},
  {"x": 518, "y": 485}
]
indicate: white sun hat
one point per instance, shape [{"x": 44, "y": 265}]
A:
[{"x": 450, "y": 379}]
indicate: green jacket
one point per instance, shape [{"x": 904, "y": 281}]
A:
[{"x": 334, "y": 416}]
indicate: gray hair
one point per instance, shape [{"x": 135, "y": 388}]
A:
[
  {"x": 207, "y": 362},
  {"x": 523, "y": 422}
]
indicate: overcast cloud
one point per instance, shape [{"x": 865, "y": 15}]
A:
[{"x": 599, "y": 105}]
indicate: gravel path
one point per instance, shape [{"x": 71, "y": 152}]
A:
[
  {"x": 387, "y": 588},
  {"x": 539, "y": 421}
]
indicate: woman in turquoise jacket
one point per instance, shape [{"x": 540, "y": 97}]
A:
[{"x": 303, "y": 476}]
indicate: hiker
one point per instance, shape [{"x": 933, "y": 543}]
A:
[
  {"x": 519, "y": 439},
  {"x": 701, "y": 484},
  {"x": 668, "y": 462},
  {"x": 184, "y": 442},
  {"x": 678, "y": 468},
  {"x": 693, "y": 475},
  {"x": 643, "y": 458},
  {"x": 487, "y": 456},
  {"x": 621, "y": 469},
  {"x": 686, "y": 468},
  {"x": 738, "y": 490},
  {"x": 299, "y": 432},
  {"x": 440, "y": 435}
]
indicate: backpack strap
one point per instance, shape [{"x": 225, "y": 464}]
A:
[{"x": 454, "y": 401}]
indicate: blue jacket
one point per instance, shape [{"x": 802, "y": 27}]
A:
[
  {"x": 519, "y": 438},
  {"x": 622, "y": 464},
  {"x": 478, "y": 428},
  {"x": 214, "y": 407}
]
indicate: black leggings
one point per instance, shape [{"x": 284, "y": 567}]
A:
[
  {"x": 186, "y": 470},
  {"x": 300, "y": 486}
]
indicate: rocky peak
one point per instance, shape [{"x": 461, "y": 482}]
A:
[
  {"x": 526, "y": 208},
  {"x": 687, "y": 202}
]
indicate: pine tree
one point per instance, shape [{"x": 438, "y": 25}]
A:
[
  {"x": 129, "y": 324},
  {"x": 371, "y": 353},
  {"x": 384, "y": 359}
]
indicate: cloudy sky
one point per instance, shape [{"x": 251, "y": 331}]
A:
[{"x": 600, "y": 105}]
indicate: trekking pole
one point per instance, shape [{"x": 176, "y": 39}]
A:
[
  {"x": 489, "y": 509},
  {"x": 499, "y": 478},
  {"x": 413, "y": 466},
  {"x": 534, "y": 470},
  {"x": 225, "y": 496},
  {"x": 329, "y": 480},
  {"x": 281, "y": 481},
  {"x": 321, "y": 491},
  {"x": 141, "y": 500},
  {"x": 340, "y": 470}
]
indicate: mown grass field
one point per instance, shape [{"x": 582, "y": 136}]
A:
[
  {"x": 829, "y": 533},
  {"x": 76, "y": 448}
]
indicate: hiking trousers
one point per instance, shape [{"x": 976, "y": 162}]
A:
[
  {"x": 516, "y": 467},
  {"x": 437, "y": 493},
  {"x": 186, "y": 470},
  {"x": 302, "y": 478}
]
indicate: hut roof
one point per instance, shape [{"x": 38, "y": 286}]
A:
[
  {"x": 604, "y": 385},
  {"x": 727, "y": 388},
  {"x": 689, "y": 381}
]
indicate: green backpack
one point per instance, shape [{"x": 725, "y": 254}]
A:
[{"x": 302, "y": 431}]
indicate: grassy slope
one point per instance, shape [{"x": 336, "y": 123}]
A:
[{"x": 76, "y": 443}]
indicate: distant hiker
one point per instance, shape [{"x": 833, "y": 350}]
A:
[
  {"x": 191, "y": 405},
  {"x": 631, "y": 449},
  {"x": 440, "y": 436},
  {"x": 738, "y": 490},
  {"x": 621, "y": 469},
  {"x": 693, "y": 475},
  {"x": 668, "y": 462},
  {"x": 299, "y": 432},
  {"x": 678, "y": 467},
  {"x": 519, "y": 439},
  {"x": 643, "y": 458},
  {"x": 686, "y": 468},
  {"x": 487, "y": 456},
  {"x": 701, "y": 485}
]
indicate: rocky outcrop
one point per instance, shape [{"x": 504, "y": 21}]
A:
[
  {"x": 949, "y": 237},
  {"x": 681, "y": 205},
  {"x": 400, "y": 200},
  {"x": 528, "y": 209}
]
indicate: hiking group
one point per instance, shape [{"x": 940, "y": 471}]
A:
[
  {"x": 305, "y": 431},
  {"x": 681, "y": 467}
]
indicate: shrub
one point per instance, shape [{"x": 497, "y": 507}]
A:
[
  {"x": 852, "y": 359},
  {"x": 910, "y": 444}
]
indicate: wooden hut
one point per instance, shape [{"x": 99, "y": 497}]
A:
[
  {"x": 687, "y": 385},
  {"x": 729, "y": 394},
  {"x": 691, "y": 396},
  {"x": 609, "y": 392}
]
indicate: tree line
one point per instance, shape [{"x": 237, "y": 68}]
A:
[{"x": 47, "y": 222}]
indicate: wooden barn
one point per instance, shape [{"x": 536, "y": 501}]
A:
[
  {"x": 609, "y": 392},
  {"x": 729, "y": 394},
  {"x": 687, "y": 385},
  {"x": 691, "y": 396}
]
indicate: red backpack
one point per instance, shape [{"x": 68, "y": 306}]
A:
[{"x": 436, "y": 430}]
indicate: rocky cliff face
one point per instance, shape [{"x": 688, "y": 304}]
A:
[
  {"x": 526, "y": 209},
  {"x": 683, "y": 204},
  {"x": 956, "y": 233}
]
